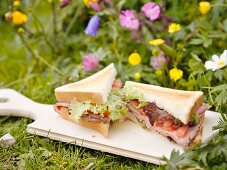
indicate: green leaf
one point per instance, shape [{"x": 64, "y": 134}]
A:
[
  {"x": 219, "y": 74},
  {"x": 207, "y": 43},
  {"x": 225, "y": 25},
  {"x": 196, "y": 41},
  {"x": 169, "y": 51},
  {"x": 219, "y": 88},
  {"x": 203, "y": 157},
  {"x": 221, "y": 98}
]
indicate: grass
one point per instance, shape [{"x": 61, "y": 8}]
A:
[
  {"x": 34, "y": 152},
  {"x": 36, "y": 77}
]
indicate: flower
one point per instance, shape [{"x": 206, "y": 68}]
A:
[
  {"x": 173, "y": 27},
  {"x": 64, "y": 3},
  {"x": 175, "y": 74},
  {"x": 158, "y": 62},
  {"x": 20, "y": 30},
  {"x": 87, "y": 3},
  {"x": 156, "y": 42},
  {"x": 204, "y": 7},
  {"x": 16, "y": 3},
  {"x": 151, "y": 10},
  {"x": 8, "y": 16},
  {"x": 134, "y": 59},
  {"x": 128, "y": 20},
  {"x": 137, "y": 76},
  {"x": 158, "y": 72},
  {"x": 19, "y": 18},
  {"x": 218, "y": 62},
  {"x": 93, "y": 26},
  {"x": 95, "y": 6},
  {"x": 90, "y": 62}
]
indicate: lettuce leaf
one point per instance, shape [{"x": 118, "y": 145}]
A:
[
  {"x": 195, "y": 118},
  {"x": 77, "y": 109},
  {"x": 115, "y": 105},
  {"x": 131, "y": 93}
]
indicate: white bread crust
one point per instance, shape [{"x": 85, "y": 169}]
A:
[
  {"x": 95, "y": 88},
  {"x": 180, "y": 104}
]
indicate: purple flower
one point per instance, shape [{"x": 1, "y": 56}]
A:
[
  {"x": 93, "y": 26},
  {"x": 64, "y": 3},
  {"x": 90, "y": 62},
  {"x": 158, "y": 62},
  {"x": 151, "y": 10},
  {"x": 129, "y": 20},
  {"x": 95, "y": 6}
]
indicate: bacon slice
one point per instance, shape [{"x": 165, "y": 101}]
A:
[
  {"x": 142, "y": 117},
  {"x": 164, "y": 123},
  {"x": 185, "y": 140},
  {"x": 91, "y": 117},
  {"x": 203, "y": 108},
  {"x": 58, "y": 106}
]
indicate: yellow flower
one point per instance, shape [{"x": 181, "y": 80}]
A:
[
  {"x": 173, "y": 27},
  {"x": 20, "y": 30},
  {"x": 16, "y": 3},
  {"x": 87, "y": 2},
  {"x": 137, "y": 76},
  {"x": 158, "y": 72},
  {"x": 19, "y": 18},
  {"x": 204, "y": 7},
  {"x": 134, "y": 59},
  {"x": 175, "y": 74},
  {"x": 156, "y": 42}
]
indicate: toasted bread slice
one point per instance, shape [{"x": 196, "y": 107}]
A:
[
  {"x": 180, "y": 104},
  {"x": 100, "y": 127},
  {"x": 94, "y": 89}
]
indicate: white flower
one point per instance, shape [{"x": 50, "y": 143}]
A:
[{"x": 218, "y": 62}]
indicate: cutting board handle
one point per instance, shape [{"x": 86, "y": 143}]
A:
[{"x": 13, "y": 103}]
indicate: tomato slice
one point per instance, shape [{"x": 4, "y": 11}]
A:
[
  {"x": 134, "y": 103},
  {"x": 167, "y": 124},
  {"x": 59, "y": 107},
  {"x": 107, "y": 114},
  {"x": 181, "y": 131}
]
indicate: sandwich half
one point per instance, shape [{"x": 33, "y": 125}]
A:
[
  {"x": 91, "y": 102},
  {"x": 176, "y": 114}
]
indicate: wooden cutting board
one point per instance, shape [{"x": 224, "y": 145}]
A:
[{"x": 126, "y": 138}]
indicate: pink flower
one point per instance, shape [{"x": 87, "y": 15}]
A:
[
  {"x": 95, "y": 6},
  {"x": 151, "y": 10},
  {"x": 129, "y": 20},
  {"x": 158, "y": 62},
  {"x": 90, "y": 62},
  {"x": 64, "y": 3}
]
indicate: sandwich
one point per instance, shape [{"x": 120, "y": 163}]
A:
[
  {"x": 176, "y": 114},
  {"x": 91, "y": 102}
]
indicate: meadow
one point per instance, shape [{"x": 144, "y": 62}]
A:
[{"x": 48, "y": 43}]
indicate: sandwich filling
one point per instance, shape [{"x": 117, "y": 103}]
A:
[
  {"x": 152, "y": 117},
  {"x": 114, "y": 109}
]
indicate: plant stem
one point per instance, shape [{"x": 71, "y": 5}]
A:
[
  {"x": 72, "y": 22},
  {"x": 54, "y": 18},
  {"x": 44, "y": 34},
  {"x": 38, "y": 56}
]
